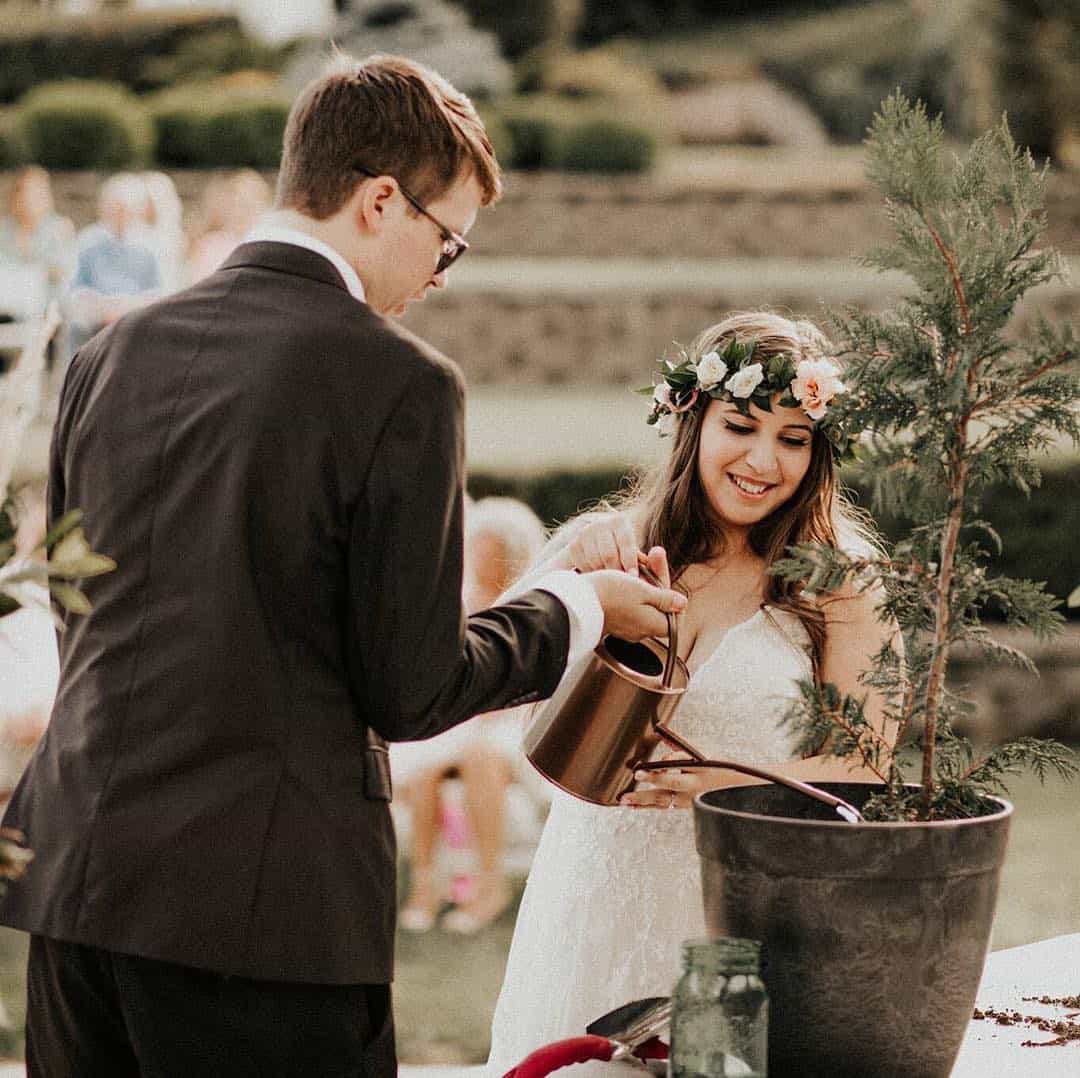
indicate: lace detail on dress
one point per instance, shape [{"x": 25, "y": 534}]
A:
[{"x": 613, "y": 892}]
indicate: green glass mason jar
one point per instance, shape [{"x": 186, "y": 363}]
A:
[{"x": 720, "y": 1012}]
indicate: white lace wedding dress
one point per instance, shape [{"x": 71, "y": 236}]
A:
[{"x": 613, "y": 892}]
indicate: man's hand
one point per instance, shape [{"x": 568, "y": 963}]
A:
[{"x": 633, "y": 609}]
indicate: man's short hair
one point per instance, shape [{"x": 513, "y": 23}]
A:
[{"x": 394, "y": 117}]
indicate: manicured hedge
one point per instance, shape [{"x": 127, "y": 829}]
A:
[
  {"x": 608, "y": 146},
  {"x": 546, "y": 132},
  {"x": 535, "y": 140},
  {"x": 1039, "y": 533},
  {"x": 81, "y": 124},
  {"x": 201, "y": 128},
  {"x": 12, "y": 151}
]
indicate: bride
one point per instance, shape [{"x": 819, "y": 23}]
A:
[{"x": 614, "y": 891}]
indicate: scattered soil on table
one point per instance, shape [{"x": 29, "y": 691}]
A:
[
  {"x": 1064, "y": 1030},
  {"x": 1055, "y": 1001}
]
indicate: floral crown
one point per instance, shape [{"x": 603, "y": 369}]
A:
[{"x": 733, "y": 375}]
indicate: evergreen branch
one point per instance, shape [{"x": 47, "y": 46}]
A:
[
  {"x": 993, "y": 398},
  {"x": 1041, "y": 755},
  {"x": 957, "y": 283}
]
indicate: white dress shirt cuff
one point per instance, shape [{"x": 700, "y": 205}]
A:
[{"x": 578, "y": 595}]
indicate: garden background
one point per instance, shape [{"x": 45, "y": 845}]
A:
[{"x": 667, "y": 164}]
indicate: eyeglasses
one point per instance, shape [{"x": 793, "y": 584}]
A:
[{"x": 454, "y": 244}]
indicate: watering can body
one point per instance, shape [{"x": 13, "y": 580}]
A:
[{"x": 589, "y": 738}]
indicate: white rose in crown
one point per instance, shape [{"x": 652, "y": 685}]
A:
[
  {"x": 816, "y": 382},
  {"x": 745, "y": 380},
  {"x": 662, "y": 395},
  {"x": 711, "y": 370}
]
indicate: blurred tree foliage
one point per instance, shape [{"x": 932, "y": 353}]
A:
[
  {"x": 520, "y": 25},
  {"x": 1035, "y": 52},
  {"x": 602, "y": 19}
]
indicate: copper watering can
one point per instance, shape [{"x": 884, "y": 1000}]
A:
[{"x": 595, "y": 732}]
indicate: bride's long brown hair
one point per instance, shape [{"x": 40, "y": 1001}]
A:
[{"x": 673, "y": 511}]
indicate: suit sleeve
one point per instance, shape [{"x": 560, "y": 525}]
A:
[{"x": 418, "y": 666}]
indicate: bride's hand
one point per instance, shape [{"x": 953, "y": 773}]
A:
[
  {"x": 608, "y": 543},
  {"x": 676, "y": 787}
]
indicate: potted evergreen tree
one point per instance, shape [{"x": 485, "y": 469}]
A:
[{"x": 875, "y": 933}]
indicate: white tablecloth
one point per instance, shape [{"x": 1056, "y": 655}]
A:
[{"x": 1049, "y": 968}]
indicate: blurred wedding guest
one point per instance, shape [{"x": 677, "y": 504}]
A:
[
  {"x": 502, "y": 538},
  {"x": 163, "y": 215},
  {"x": 230, "y": 207},
  {"x": 117, "y": 269},
  {"x": 29, "y": 668},
  {"x": 37, "y": 248}
]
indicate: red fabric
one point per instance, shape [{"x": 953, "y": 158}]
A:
[
  {"x": 578, "y": 1050},
  {"x": 654, "y": 1048},
  {"x": 561, "y": 1054}
]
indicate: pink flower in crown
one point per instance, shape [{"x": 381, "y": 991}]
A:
[
  {"x": 815, "y": 384},
  {"x": 686, "y": 405}
]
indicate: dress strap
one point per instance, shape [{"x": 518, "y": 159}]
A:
[{"x": 802, "y": 646}]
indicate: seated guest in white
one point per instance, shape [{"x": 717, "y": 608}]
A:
[
  {"x": 117, "y": 268},
  {"x": 37, "y": 246},
  {"x": 502, "y": 538},
  {"x": 163, "y": 217}
]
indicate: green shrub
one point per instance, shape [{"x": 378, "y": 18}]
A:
[
  {"x": 12, "y": 150},
  {"x": 499, "y": 133},
  {"x": 549, "y": 132},
  {"x": 608, "y": 146},
  {"x": 82, "y": 124},
  {"x": 246, "y": 134},
  {"x": 201, "y": 127},
  {"x": 536, "y": 141},
  {"x": 1038, "y": 533},
  {"x": 536, "y": 127}
]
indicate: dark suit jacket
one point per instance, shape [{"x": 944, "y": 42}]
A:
[{"x": 277, "y": 472}]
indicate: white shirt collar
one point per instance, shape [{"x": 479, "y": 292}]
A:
[{"x": 280, "y": 234}]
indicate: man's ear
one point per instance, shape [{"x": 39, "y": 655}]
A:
[{"x": 371, "y": 203}]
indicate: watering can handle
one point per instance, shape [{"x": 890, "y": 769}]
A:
[{"x": 672, "y": 626}]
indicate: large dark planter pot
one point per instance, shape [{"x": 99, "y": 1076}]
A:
[{"x": 874, "y": 935}]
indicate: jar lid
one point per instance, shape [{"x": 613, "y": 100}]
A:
[{"x": 724, "y": 955}]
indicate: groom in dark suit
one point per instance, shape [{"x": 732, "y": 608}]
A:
[{"x": 277, "y": 470}]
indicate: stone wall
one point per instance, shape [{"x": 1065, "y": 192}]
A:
[
  {"x": 547, "y": 215},
  {"x": 598, "y": 337},
  {"x": 513, "y": 314}
]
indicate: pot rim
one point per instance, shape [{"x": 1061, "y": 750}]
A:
[{"x": 861, "y": 826}]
